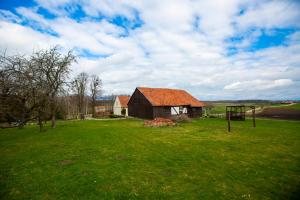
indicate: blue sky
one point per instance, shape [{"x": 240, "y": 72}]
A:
[{"x": 231, "y": 49}]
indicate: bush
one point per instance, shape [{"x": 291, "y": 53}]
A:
[
  {"x": 115, "y": 116},
  {"x": 59, "y": 115},
  {"x": 181, "y": 118},
  {"x": 123, "y": 111}
]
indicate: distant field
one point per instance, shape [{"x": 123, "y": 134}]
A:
[
  {"x": 121, "y": 159},
  {"x": 220, "y": 108},
  {"x": 293, "y": 107},
  {"x": 290, "y": 112}
]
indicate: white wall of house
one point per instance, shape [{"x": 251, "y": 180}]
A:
[
  {"x": 176, "y": 110},
  {"x": 118, "y": 108}
]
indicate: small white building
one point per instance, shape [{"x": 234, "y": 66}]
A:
[{"x": 121, "y": 104}]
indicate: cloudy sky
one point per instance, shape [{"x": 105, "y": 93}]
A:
[{"x": 215, "y": 49}]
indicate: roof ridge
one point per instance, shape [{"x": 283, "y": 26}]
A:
[
  {"x": 160, "y": 88},
  {"x": 123, "y": 95}
]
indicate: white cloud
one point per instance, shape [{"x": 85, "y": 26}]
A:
[
  {"x": 33, "y": 18},
  {"x": 258, "y": 84},
  {"x": 20, "y": 39},
  {"x": 107, "y": 8},
  {"x": 168, "y": 50},
  {"x": 58, "y": 7},
  {"x": 271, "y": 14},
  {"x": 9, "y": 16}
]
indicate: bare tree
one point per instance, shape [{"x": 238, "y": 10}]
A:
[
  {"x": 95, "y": 87},
  {"x": 22, "y": 95},
  {"x": 29, "y": 86},
  {"x": 54, "y": 69},
  {"x": 79, "y": 85}
]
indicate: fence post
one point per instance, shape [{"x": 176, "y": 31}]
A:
[
  {"x": 253, "y": 116},
  {"x": 228, "y": 119}
]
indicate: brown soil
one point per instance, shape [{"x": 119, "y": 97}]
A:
[
  {"x": 157, "y": 122},
  {"x": 280, "y": 113}
]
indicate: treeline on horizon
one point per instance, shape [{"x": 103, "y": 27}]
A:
[{"x": 254, "y": 101}]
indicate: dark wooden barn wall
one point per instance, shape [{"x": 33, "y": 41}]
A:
[
  {"x": 139, "y": 106},
  {"x": 195, "y": 112},
  {"x": 162, "y": 111}
]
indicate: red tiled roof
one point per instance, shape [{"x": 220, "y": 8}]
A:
[
  {"x": 169, "y": 97},
  {"x": 123, "y": 100}
]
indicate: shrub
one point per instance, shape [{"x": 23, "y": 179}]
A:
[
  {"x": 115, "y": 116},
  {"x": 123, "y": 111},
  {"x": 181, "y": 118}
]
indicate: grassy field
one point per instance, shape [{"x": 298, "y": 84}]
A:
[
  {"x": 121, "y": 159},
  {"x": 220, "y": 108},
  {"x": 293, "y": 107}
]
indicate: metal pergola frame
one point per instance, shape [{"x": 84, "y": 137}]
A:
[{"x": 236, "y": 112}]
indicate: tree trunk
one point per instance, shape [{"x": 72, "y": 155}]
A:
[
  {"x": 53, "y": 112},
  {"x": 93, "y": 109},
  {"x": 40, "y": 121},
  {"x": 53, "y": 121},
  {"x": 23, "y": 114}
]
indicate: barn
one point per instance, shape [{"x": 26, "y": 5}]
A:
[
  {"x": 121, "y": 104},
  {"x": 150, "y": 103}
]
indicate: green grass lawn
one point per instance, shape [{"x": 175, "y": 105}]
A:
[
  {"x": 219, "y": 108},
  {"x": 121, "y": 159}
]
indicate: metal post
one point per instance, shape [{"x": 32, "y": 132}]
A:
[
  {"x": 253, "y": 116},
  {"x": 228, "y": 119}
]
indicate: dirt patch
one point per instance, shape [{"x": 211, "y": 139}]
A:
[
  {"x": 158, "y": 122},
  {"x": 85, "y": 173},
  {"x": 65, "y": 162},
  {"x": 166, "y": 173},
  {"x": 120, "y": 157},
  {"x": 280, "y": 113}
]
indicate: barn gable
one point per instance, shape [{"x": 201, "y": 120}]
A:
[
  {"x": 139, "y": 106},
  {"x": 121, "y": 104},
  {"x": 123, "y": 99}
]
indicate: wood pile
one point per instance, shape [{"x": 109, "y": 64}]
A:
[{"x": 158, "y": 122}]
